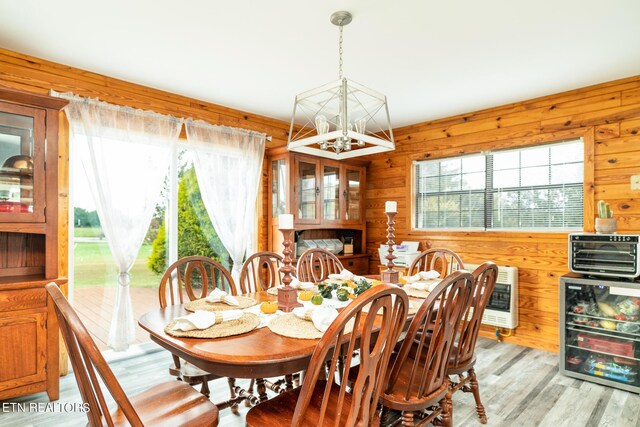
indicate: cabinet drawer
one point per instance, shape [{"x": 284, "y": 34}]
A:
[
  {"x": 359, "y": 266},
  {"x": 22, "y": 299}
]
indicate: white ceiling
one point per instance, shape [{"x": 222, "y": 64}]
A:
[{"x": 432, "y": 59}]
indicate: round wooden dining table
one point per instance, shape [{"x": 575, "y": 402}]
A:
[{"x": 256, "y": 354}]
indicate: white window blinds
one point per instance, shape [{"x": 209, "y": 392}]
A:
[{"x": 535, "y": 188}]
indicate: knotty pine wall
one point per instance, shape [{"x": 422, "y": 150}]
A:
[
  {"x": 607, "y": 116},
  {"x": 32, "y": 74}
]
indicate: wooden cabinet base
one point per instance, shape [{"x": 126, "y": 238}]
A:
[
  {"x": 53, "y": 391},
  {"x": 29, "y": 339}
]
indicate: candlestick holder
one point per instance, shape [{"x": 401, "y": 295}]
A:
[
  {"x": 390, "y": 275},
  {"x": 287, "y": 296}
]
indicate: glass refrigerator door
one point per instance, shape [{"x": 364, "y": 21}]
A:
[{"x": 602, "y": 332}]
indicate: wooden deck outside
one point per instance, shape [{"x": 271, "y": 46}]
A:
[{"x": 95, "y": 307}]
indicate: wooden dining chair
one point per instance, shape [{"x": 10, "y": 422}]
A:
[
  {"x": 192, "y": 278},
  {"x": 316, "y": 264},
  {"x": 260, "y": 272},
  {"x": 417, "y": 381},
  {"x": 463, "y": 357},
  {"x": 171, "y": 403},
  {"x": 185, "y": 280},
  {"x": 441, "y": 260},
  {"x": 320, "y": 402}
]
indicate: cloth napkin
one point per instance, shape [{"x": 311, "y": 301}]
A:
[
  {"x": 217, "y": 295},
  {"x": 264, "y": 318},
  {"x": 423, "y": 276},
  {"x": 424, "y": 286},
  {"x": 321, "y": 317},
  {"x": 344, "y": 275},
  {"x": 296, "y": 284},
  {"x": 204, "y": 319}
]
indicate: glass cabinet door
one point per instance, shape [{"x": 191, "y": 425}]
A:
[
  {"x": 308, "y": 191},
  {"x": 278, "y": 187},
  {"x": 21, "y": 163},
  {"x": 331, "y": 193},
  {"x": 353, "y": 196}
]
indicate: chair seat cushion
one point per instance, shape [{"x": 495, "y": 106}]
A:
[
  {"x": 279, "y": 410},
  {"x": 173, "y": 403}
]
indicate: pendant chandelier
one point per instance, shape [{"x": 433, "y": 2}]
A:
[{"x": 341, "y": 119}]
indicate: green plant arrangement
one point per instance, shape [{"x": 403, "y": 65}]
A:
[
  {"x": 604, "y": 210},
  {"x": 605, "y": 222}
]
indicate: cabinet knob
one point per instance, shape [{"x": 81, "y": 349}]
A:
[
  {"x": 350, "y": 263},
  {"x": 317, "y": 190},
  {"x": 344, "y": 193}
]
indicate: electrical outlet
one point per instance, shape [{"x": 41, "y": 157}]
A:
[{"x": 635, "y": 182}]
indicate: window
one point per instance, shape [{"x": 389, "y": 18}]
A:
[{"x": 535, "y": 188}]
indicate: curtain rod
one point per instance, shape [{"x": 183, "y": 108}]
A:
[{"x": 73, "y": 97}]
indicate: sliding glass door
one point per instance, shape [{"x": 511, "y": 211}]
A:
[{"x": 180, "y": 227}]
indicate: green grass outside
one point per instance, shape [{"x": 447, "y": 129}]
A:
[
  {"x": 88, "y": 232},
  {"x": 94, "y": 266}
]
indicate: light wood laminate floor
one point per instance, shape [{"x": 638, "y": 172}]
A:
[{"x": 519, "y": 386}]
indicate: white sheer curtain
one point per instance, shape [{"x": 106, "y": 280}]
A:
[
  {"x": 228, "y": 165},
  {"x": 125, "y": 155}
]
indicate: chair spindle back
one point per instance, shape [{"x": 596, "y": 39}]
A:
[
  {"x": 194, "y": 276},
  {"x": 316, "y": 264},
  {"x": 429, "y": 340},
  {"x": 389, "y": 305},
  {"x": 86, "y": 359},
  {"x": 260, "y": 272},
  {"x": 441, "y": 260},
  {"x": 485, "y": 277}
]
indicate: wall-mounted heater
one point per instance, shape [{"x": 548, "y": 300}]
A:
[{"x": 502, "y": 309}]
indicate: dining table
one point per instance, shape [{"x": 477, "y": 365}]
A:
[{"x": 257, "y": 354}]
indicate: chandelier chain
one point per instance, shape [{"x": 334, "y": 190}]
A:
[{"x": 340, "y": 53}]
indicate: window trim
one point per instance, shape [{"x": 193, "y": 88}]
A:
[{"x": 587, "y": 134}]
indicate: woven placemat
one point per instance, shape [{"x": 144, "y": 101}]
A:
[
  {"x": 248, "y": 322},
  {"x": 415, "y": 293},
  {"x": 201, "y": 304},
  {"x": 289, "y": 325}
]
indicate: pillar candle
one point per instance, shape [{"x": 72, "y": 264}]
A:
[
  {"x": 391, "y": 207},
  {"x": 285, "y": 222}
]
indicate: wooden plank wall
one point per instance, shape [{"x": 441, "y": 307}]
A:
[
  {"x": 32, "y": 74},
  {"x": 606, "y": 115}
]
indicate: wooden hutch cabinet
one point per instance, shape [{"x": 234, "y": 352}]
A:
[
  {"x": 326, "y": 198},
  {"x": 29, "y": 336}
]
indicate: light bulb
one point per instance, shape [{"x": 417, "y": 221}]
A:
[
  {"x": 321, "y": 124},
  {"x": 323, "y": 145}
]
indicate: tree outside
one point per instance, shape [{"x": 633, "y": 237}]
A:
[{"x": 196, "y": 235}]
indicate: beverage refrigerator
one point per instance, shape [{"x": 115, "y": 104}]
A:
[{"x": 600, "y": 330}]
